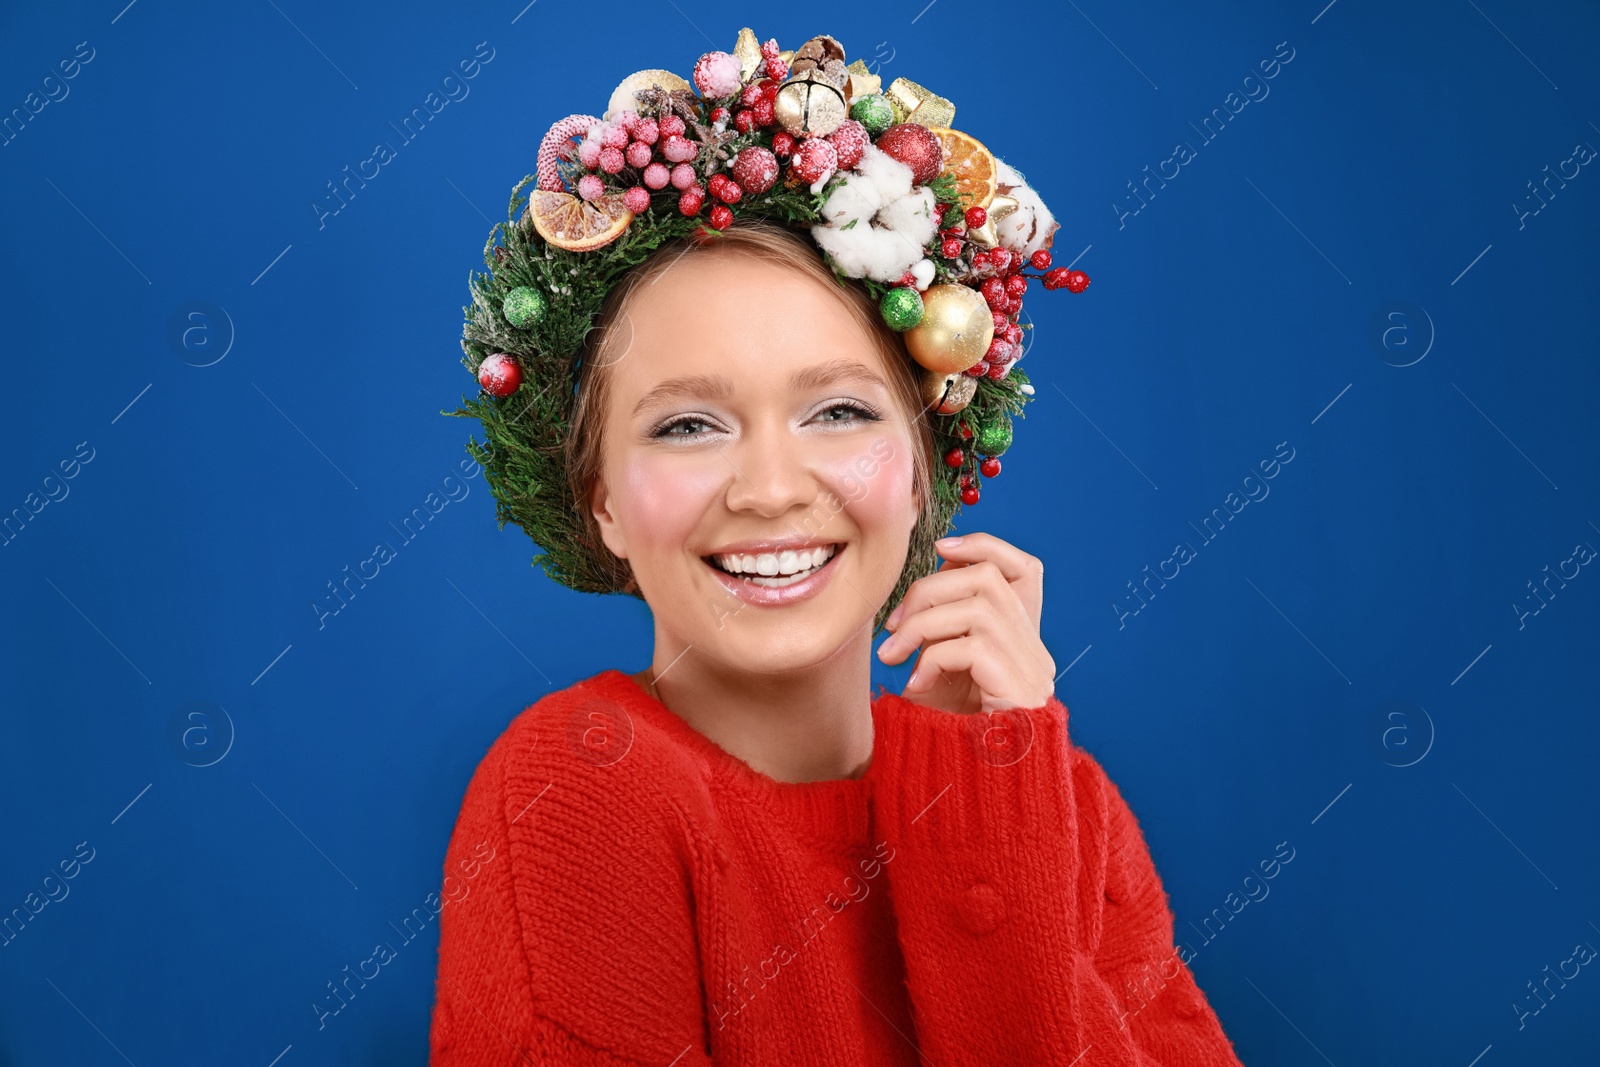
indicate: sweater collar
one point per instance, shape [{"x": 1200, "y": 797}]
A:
[{"x": 833, "y": 811}]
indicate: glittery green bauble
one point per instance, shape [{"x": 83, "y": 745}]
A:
[
  {"x": 524, "y": 306},
  {"x": 993, "y": 439},
  {"x": 901, "y": 308},
  {"x": 874, "y": 112}
]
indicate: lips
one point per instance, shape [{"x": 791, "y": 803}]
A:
[{"x": 777, "y": 590}]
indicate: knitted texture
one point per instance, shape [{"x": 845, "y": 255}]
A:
[{"x": 982, "y": 895}]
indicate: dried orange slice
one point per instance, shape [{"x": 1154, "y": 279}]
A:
[
  {"x": 575, "y": 224},
  {"x": 972, "y": 164}
]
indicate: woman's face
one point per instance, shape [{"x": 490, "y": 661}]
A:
[{"x": 750, "y": 415}]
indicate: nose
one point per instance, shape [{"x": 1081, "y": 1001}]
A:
[{"x": 771, "y": 476}]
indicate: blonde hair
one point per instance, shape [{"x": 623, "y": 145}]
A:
[{"x": 762, "y": 239}]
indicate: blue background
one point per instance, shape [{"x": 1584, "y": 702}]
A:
[{"x": 1343, "y": 668}]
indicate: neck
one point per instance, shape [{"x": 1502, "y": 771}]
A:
[{"x": 805, "y": 725}]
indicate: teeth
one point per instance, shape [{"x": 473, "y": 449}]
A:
[{"x": 776, "y": 564}]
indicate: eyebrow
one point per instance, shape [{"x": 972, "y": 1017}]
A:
[{"x": 719, "y": 387}]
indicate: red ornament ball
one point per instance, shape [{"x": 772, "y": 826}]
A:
[
  {"x": 989, "y": 467},
  {"x": 969, "y": 495},
  {"x": 955, "y": 457},
  {"x": 721, "y": 217},
  {"x": 850, "y": 140},
  {"x": 499, "y": 374},
  {"x": 915, "y": 145},
  {"x": 976, "y": 217},
  {"x": 816, "y": 157},
  {"x": 755, "y": 169},
  {"x": 1041, "y": 259}
]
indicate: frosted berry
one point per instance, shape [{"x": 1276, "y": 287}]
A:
[
  {"x": 783, "y": 143},
  {"x": 850, "y": 140},
  {"x": 1017, "y": 284},
  {"x": 951, "y": 248},
  {"x": 692, "y": 200},
  {"x": 647, "y": 132},
  {"x": 755, "y": 169},
  {"x": 989, "y": 467},
  {"x": 683, "y": 176},
  {"x": 969, "y": 495},
  {"x": 679, "y": 149},
  {"x": 750, "y": 94},
  {"x": 1077, "y": 281},
  {"x": 727, "y": 190},
  {"x": 721, "y": 217},
  {"x": 719, "y": 114},
  {"x": 1040, "y": 259},
  {"x": 717, "y": 74},
  {"x": 638, "y": 155},
  {"x": 976, "y": 217},
  {"x": 1000, "y": 322},
  {"x": 671, "y": 125},
  {"x": 764, "y": 113},
  {"x": 770, "y": 49},
  {"x": 1000, "y": 257},
  {"x": 615, "y": 136},
  {"x": 656, "y": 175},
  {"x": 744, "y": 120},
  {"x": 636, "y": 199},
  {"x": 954, "y": 458},
  {"x": 777, "y": 68},
  {"x": 977, "y": 370},
  {"x": 994, "y": 293},
  {"x": 590, "y": 187},
  {"x": 589, "y": 152}
]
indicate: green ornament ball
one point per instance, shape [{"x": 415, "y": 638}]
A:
[
  {"x": 874, "y": 112},
  {"x": 993, "y": 439},
  {"x": 524, "y": 306},
  {"x": 901, "y": 308}
]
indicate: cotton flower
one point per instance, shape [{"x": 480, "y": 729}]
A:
[
  {"x": 1029, "y": 228},
  {"x": 876, "y": 223}
]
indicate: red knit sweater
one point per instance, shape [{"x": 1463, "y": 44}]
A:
[{"x": 621, "y": 891}]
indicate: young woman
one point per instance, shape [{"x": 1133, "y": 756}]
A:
[{"x": 739, "y": 854}]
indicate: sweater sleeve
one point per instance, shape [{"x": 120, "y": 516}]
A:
[
  {"x": 998, "y": 878},
  {"x": 564, "y": 936}
]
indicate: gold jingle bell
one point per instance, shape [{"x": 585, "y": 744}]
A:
[
  {"x": 947, "y": 393},
  {"x": 956, "y": 329},
  {"x": 809, "y": 103}
]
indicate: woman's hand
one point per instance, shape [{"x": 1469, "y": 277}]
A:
[{"x": 976, "y": 621}]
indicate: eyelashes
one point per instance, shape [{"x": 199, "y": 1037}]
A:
[{"x": 862, "y": 413}]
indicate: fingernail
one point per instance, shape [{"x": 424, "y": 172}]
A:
[
  {"x": 883, "y": 649},
  {"x": 948, "y": 542},
  {"x": 894, "y": 617}
]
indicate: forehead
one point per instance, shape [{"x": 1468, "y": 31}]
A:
[{"x": 720, "y": 307}]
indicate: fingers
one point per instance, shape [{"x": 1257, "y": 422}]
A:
[
  {"x": 1003, "y": 680},
  {"x": 994, "y": 618},
  {"x": 1022, "y": 572}
]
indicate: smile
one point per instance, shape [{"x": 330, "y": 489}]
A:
[{"x": 775, "y": 578}]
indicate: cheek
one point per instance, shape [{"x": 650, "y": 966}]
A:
[
  {"x": 665, "y": 497},
  {"x": 877, "y": 484}
]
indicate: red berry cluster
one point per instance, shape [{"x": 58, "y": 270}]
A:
[{"x": 989, "y": 467}]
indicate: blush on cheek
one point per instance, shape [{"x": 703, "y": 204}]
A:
[
  {"x": 876, "y": 484},
  {"x": 665, "y": 500}
]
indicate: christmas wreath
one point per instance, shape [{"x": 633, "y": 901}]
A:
[{"x": 938, "y": 230}]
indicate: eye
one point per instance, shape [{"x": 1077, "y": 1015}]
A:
[
  {"x": 671, "y": 429},
  {"x": 856, "y": 412}
]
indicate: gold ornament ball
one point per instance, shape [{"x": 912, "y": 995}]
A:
[
  {"x": 956, "y": 329},
  {"x": 809, "y": 103}
]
